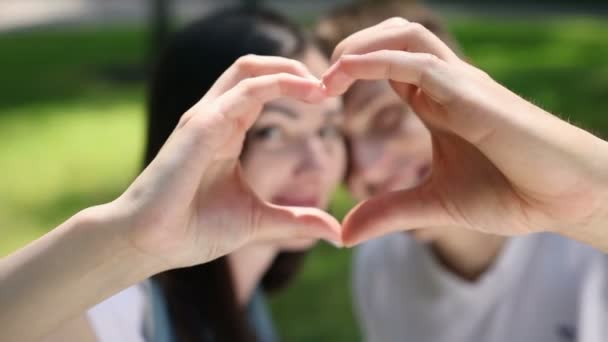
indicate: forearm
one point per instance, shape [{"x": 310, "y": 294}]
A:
[{"x": 75, "y": 266}]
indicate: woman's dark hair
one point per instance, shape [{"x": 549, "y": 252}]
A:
[{"x": 201, "y": 300}]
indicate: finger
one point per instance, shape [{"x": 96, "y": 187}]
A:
[
  {"x": 394, "y": 34},
  {"x": 235, "y": 111},
  {"x": 422, "y": 70},
  {"x": 370, "y": 31},
  {"x": 394, "y": 211},
  {"x": 280, "y": 223},
  {"x": 244, "y": 101},
  {"x": 296, "y": 245},
  {"x": 209, "y": 136},
  {"x": 253, "y": 66}
]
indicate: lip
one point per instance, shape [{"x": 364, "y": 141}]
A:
[{"x": 297, "y": 201}]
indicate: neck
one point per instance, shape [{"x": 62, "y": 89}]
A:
[
  {"x": 467, "y": 253},
  {"x": 248, "y": 266}
]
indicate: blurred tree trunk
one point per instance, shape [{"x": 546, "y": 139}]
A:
[
  {"x": 161, "y": 14},
  {"x": 252, "y": 3}
]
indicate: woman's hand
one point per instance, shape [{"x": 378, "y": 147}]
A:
[
  {"x": 500, "y": 164},
  {"x": 189, "y": 206}
]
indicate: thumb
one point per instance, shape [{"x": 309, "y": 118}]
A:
[
  {"x": 279, "y": 223},
  {"x": 394, "y": 211}
]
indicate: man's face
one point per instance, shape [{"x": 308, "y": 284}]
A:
[{"x": 390, "y": 148}]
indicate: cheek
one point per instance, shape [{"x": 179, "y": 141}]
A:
[
  {"x": 413, "y": 144},
  {"x": 266, "y": 171},
  {"x": 420, "y": 133},
  {"x": 336, "y": 165},
  {"x": 369, "y": 153}
]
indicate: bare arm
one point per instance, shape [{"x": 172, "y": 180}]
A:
[
  {"x": 189, "y": 206},
  {"x": 80, "y": 263}
]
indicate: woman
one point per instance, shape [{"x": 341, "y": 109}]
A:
[{"x": 292, "y": 156}]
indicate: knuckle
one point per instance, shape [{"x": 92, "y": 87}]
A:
[
  {"x": 282, "y": 81},
  {"x": 184, "y": 118},
  {"x": 246, "y": 62},
  {"x": 429, "y": 61},
  {"x": 247, "y": 88},
  {"x": 396, "y": 21},
  {"x": 417, "y": 29},
  {"x": 298, "y": 66}
]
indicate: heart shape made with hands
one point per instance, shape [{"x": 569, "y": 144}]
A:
[
  {"x": 478, "y": 181},
  {"x": 464, "y": 190},
  {"x": 458, "y": 167}
]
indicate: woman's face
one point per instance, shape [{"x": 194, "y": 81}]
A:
[
  {"x": 390, "y": 147},
  {"x": 294, "y": 152}
]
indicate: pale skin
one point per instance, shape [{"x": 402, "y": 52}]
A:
[
  {"x": 500, "y": 164},
  {"x": 526, "y": 171}
]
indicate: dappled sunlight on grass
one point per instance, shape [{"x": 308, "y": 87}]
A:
[
  {"x": 64, "y": 158},
  {"x": 62, "y": 64},
  {"x": 559, "y": 64}
]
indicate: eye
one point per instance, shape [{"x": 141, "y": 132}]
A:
[
  {"x": 329, "y": 131},
  {"x": 266, "y": 134},
  {"x": 389, "y": 119}
]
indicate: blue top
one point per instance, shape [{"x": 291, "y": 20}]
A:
[{"x": 157, "y": 326}]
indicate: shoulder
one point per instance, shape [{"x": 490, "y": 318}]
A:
[
  {"x": 379, "y": 261},
  {"x": 375, "y": 255},
  {"x": 389, "y": 247},
  {"x": 567, "y": 254}
]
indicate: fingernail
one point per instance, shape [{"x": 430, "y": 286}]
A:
[
  {"x": 335, "y": 81},
  {"x": 317, "y": 94}
]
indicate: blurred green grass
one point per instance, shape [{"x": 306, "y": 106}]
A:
[{"x": 71, "y": 137}]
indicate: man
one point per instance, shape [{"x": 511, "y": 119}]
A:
[{"x": 442, "y": 282}]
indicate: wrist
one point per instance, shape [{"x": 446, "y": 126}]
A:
[
  {"x": 594, "y": 230},
  {"x": 590, "y": 224},
  {"x": 78, "y": 264},
  {"x": 112, "y": 227}
]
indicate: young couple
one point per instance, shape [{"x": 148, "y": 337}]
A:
[{"x": 235, "y": 183}]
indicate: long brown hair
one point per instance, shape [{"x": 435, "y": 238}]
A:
[{"x": 201, "y": 300}]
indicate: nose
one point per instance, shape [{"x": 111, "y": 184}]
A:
[
  {"x": 312, "y": 158},
  {"x": 370, "y": 167},
  {"x": 365, "y": 154}
]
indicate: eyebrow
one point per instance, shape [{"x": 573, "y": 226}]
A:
[
  {"x": 281, "y": 109},
  {"x": 292, "y": 114},
  {"x": 368, "y": 97}
]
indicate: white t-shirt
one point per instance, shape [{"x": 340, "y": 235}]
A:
[
  {"x": 542, "y": 288},
  {"x": 120, "y": 317}
]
